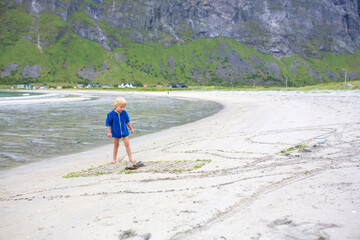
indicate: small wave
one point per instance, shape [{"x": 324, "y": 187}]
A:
[
  {"x": 11, "y": 158},
  {"x": 27, "y": 96}
]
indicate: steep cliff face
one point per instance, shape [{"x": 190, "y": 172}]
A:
[
  {"x": 279, "y": 28},
  {"x": 271, "y": 26}
]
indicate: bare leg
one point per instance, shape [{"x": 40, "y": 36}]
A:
[
  {"x": 115, "y": 150},
  {"x": 127, "y": 147}
]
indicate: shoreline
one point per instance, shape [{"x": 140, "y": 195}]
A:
[
  {"x": 82, "y": 96},
  {"x": 248, "y": 190}
]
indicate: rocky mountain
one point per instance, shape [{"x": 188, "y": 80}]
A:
[{"x": 246, "y": 39}]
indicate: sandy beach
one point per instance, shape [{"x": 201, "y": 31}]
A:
[{"x": 277, "y": 165}]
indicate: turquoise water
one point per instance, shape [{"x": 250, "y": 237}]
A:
[
  {"x": 36, "y": 132},
  {"x": 8, "y": 94},
  {"x": 20, "y": 95}
]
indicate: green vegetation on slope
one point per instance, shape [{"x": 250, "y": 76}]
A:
[{"x": 63, "y": 54}]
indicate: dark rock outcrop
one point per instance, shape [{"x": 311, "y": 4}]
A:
[
  {"x": 90, "y": 73},
  {"x": 331, "y": 75},
  {"x": 8, "y": 69},
  {"x": 32, "y": 71},
  {"x": 353, "y": 76}
]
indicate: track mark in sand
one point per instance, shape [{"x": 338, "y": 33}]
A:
[
  {"x": 231, "y": 210},
  {"x": 238, "y": 170},
  {"x": 104, "y": 193},
  {"x": 295, "y": 135},
  {"x": 44, "y": 195},
  {"x": 292, "y": 135},
  {"x": 131, "y": 234},
  {"x": 287, "y": 229},
  {"x": 260, "y": 165},
  {"x": 327, "y": 163}
]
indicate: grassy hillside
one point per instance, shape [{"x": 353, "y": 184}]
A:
[{"x": 62, "y": 54}]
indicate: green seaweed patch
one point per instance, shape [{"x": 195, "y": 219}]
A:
[
  {"x": 179, "y": 166},
  {"x": 292, "y": 149}
]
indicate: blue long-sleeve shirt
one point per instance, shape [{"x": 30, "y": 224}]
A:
[{"x": 117, "y": 122}]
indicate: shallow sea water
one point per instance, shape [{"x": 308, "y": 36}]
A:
[
  {"x": 15, "y": 95},
  {"x": 36, "y": 132}
]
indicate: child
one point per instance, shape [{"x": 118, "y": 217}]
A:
[{"x": 117, "y": 123}]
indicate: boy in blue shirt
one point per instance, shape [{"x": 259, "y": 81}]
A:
[{"x": 117, "y": 124}]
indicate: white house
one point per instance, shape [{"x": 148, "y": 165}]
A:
[
  {"x": 29, "y": 86},
  {"x": 126, "y": 85}
]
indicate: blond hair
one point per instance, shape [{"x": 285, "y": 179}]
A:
[{"x": 119, "y": 101}]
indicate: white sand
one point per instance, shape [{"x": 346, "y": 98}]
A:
[{"x": 248, "y": 191}]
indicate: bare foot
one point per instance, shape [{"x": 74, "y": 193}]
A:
[
  {"x": 132, "y": 160},
  {"x": 114, "y": 161}
]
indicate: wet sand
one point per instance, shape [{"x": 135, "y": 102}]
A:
[{"x": 248, "y": 190}]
